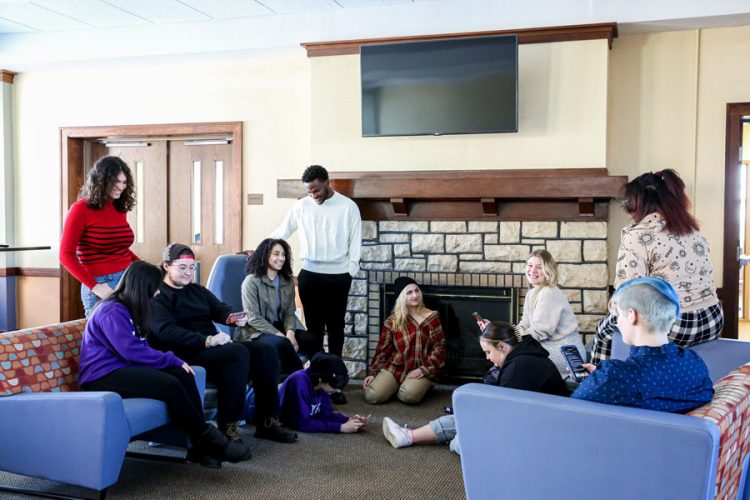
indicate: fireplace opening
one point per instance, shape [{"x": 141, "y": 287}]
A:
[{"x": 464, "y": 359}]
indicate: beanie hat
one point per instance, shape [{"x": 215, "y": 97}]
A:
[
  {"x": 401, "y": 283},
  {"x": 173, "y": 251},
  {"x": 329, "y": 369},
  {"x": 661, "y": 285}
]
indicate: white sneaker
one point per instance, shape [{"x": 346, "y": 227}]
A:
[{"x": 395, "y": 434}]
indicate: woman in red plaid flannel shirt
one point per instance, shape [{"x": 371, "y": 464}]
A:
[{"x": 410, "y": 352}]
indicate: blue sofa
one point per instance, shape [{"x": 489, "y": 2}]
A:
[
  {"x": 79, "y": 438},
  {"x": 520, "y": 444}
]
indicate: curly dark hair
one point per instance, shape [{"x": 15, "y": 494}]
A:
[
  {"x": 100, "y": 180},
  {"x": 314, "y": 172},
  {"x": 662, "y": 192},
  {"x": 257, "y": 263}
]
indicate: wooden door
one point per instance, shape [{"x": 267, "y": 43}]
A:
[
  {"x": 148, "y": 218},
  {"x": 204, "y": 201},
  {"x": 163, "y": 218}
]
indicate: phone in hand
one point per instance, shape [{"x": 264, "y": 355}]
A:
[
  {"x": 575, "y": 362},
  {"x": 236, "y": 316}
]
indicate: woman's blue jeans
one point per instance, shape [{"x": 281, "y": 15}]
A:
[{"x": 89, "y": 298}]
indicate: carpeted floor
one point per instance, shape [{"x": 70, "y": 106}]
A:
[{"x": 360, "y": 466}]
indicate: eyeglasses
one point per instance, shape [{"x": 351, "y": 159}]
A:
[{"x": 182, "y": 267}]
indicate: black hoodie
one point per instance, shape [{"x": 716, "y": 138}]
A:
[{"x": 529, "y": 368}]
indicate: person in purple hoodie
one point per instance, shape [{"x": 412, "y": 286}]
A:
[
  {"x": 306, "y": 397},
  {"x": 116, "y": 357}
]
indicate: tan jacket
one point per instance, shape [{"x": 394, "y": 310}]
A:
[
  {"x": 647, "y": 249},
  {"x": 259, "y": 300}
]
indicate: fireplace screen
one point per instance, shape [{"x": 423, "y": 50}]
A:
[{"x": 464, "y": 359}]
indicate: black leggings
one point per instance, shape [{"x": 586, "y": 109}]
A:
[{"x": 174, "y": 386}]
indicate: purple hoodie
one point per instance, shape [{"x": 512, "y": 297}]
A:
[
  {"x": 304, "y": 409},
  {"x": 110, "y": 343}
]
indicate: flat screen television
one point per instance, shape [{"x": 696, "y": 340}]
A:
[{"x": 457, "y": 86}]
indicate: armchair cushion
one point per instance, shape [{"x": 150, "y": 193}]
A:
[{"x": 43, "y": 359}]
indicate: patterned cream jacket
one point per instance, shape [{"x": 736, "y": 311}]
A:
[{"x": 647, "y": 249}]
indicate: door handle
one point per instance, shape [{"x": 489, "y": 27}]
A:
[{"x": 744, "y": 260}]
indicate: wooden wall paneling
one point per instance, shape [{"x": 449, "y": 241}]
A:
[{"x": 71, "y": 181}]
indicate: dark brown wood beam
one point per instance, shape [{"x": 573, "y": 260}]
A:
[
  {"x": 549, "y": 194},
  {"x": 607, "y": 31}
]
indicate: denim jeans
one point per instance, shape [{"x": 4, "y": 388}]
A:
[
  {"x": 89, "y": 298},
  {"x": 445, "y": 430}
]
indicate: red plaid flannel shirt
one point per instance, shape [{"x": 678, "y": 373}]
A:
[{"x": 418, "y": 346}]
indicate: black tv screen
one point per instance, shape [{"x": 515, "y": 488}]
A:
[{"x": 458, "y": 86}]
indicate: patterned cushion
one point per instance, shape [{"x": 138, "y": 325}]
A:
[
  {"x": 730, "y": 410},
  {"x": 43, "y": 359}
]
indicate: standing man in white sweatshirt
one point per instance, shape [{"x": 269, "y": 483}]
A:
[{"x": 330, "y": 236}]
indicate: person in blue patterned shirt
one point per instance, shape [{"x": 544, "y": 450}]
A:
[{"x": 657, "y": 375}]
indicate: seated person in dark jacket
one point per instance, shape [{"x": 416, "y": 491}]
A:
[
  {"x": 657, "y": 375},
  {"x": 182, "y": 322},
  {"x": 518, "y": 362}
]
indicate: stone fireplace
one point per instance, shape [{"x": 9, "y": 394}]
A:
[
  {"x": 474, "y": 229},
  {"x": 473, "y": 254}
]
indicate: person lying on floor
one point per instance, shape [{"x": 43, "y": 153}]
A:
[
  {"x": 657, "y": 375},
  {"x": 518, "y": 362},
  {"x": 306, "y": 397}
]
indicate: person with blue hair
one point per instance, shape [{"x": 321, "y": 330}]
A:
[{"x": 658, "y": 375}]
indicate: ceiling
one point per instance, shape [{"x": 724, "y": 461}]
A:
[
  {"x": 49, "y": 34},
  {"x": 23, "y": 16}
]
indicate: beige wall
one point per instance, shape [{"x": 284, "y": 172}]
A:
[
  {"x": 724, "y": 77},
  {"x": 667, "y": 109},
  {"x": 654, "y": 101},
  {"x": 651, "y": 112},
  {"x": 270, "y": 96},
  {"x": 38, "y": 301},
  {"x": 562, "y": 118}
]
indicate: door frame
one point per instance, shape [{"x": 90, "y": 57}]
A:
[
  {"x": 732, "y": 205},
  {"x": 72, "y": 158}
]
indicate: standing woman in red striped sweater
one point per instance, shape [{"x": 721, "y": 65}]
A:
[{"x": 96, "y": 238}]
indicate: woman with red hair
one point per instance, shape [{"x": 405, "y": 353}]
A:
[{"x": 664, "y": 241}]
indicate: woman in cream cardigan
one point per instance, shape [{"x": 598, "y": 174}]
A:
[{"x": 547, "y": 315}]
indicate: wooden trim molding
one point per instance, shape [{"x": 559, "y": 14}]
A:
[
  {"x": 36, "y": 272},
  {"x": 7, "y": 76},
  {"x": 550, "y": 34},
  {"x": 526, "y": 195},
  {"x": 732, "y": 205}
]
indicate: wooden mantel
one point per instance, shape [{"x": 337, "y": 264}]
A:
[{"x": 538, "y": 195}]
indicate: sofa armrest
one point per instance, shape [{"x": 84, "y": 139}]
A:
[
  {"x": 73, "y": 437},
  {"x": 521, "y": 444}
]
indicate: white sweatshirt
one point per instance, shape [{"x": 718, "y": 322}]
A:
[{"x": 330, "y": 235}]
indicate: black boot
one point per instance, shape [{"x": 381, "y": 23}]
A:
[
  {"x": 197, "y": 456},
  {"x": 220, "y": 447}
]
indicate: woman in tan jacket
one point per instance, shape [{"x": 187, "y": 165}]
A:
[
  {"x": 268, "y": 297},
  {"x": 664, "y": 241}
]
